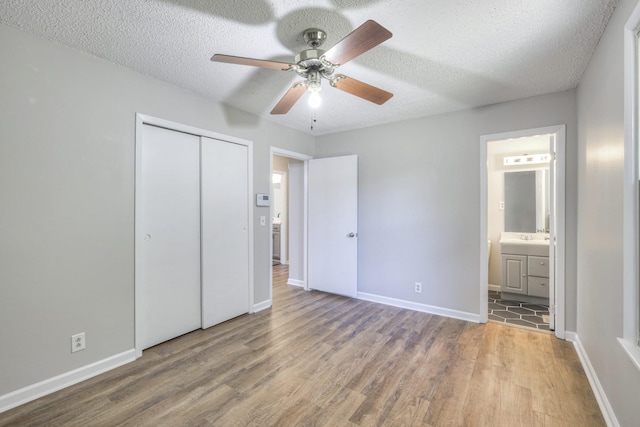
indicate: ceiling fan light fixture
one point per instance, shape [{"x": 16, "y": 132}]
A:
[{"x": 314, "y": 99}]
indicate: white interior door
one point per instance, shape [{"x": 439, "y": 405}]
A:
[
  {"x": 168, "y": 264},
  {"x": 333, "y": 225},
  {"x": 553, "y": 231},
  {"x": 225, "y": 235}
]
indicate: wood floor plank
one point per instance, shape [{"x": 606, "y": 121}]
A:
[{"x": 316, "y": 359}]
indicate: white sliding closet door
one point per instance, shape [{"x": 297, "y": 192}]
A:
[
  {"x": 168, "y": 264},
  {"x": 225, "y": 235}
]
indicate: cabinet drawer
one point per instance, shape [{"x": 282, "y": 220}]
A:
[
  {"x": 538, "y": 266},
  {"x": 538, "y": 287}
]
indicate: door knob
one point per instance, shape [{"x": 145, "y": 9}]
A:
[
  {"x": 351, "y": 235},
  {"x": 147, "y": 237}
]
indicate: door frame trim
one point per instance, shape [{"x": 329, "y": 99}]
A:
[
  {"x": 560, "y": 271},
  {"x": 141, "y": 120},
  {"x": 305, "y": 158}
]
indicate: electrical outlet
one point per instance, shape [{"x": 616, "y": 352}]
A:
[
  {"x": 78, "y": 342},
  {"x": 501, "y": 205},
  {"x": 418, "y": 287}
]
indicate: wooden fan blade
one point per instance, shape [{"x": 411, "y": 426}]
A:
[
  {"x": 365, "y": 37},
  {"x": 289, "y": 98},
  {"x": 241, "y": 60},
  {"x": 363, "y": 90}
]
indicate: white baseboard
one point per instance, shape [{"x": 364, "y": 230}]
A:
[
  {"x": 261, "y": 306},
  {"x": 35, "y": 391},
  {"x": 494, "y": 288},
  {"x": 294, "y": 282},
  {"x": 598, "y": 391},
  {"x": 425, "y": 308}
]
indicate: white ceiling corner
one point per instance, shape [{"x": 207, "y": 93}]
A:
[{"x": 444, "y": 56}]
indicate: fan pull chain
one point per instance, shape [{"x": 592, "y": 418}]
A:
[{"x": 313, "y": 120}]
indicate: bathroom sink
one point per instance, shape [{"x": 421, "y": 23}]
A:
[
  {"x": 536, "y": 244},
  {"x": 514, "y": 241}
]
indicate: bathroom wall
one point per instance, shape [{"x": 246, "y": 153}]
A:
[{"x": 280, "y": 163}]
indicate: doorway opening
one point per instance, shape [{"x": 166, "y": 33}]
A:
[
  {"x": 280, "y": 217},
  {"x": 288, "y": 218},
  {"x": 522, "y": 228}
]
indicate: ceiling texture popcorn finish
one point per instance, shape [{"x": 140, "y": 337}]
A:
[{"x": 444, "y": 55}]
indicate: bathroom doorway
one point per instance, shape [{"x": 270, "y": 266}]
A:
[
  {"x": 522, "y": 228},
  {"x": 280, "y": 218},
  {"x": 288, "y": 216}
]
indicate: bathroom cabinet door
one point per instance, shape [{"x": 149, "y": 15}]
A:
[
  {"x": 276, "y": 242},
  {"x": 514, "y": 274}
]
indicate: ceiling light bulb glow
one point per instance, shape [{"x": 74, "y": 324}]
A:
[{"x": 314, "y": 99}]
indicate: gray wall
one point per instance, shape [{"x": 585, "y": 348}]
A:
[
  {"x": 67, "y": 124},
  {"x": 601, "y": 156},
  {"x": 419, "y": 199}
]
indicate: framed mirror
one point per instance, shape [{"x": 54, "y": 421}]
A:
[{"x": 526, "y": 201}]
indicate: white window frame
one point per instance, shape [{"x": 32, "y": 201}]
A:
[{"x": 630, "y": 340}]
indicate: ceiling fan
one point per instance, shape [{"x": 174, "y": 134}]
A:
[{"x": 315, "y": 64}]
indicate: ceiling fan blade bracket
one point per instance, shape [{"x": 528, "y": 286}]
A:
[
  {"x": 326, "y": 65},
  {"x": 327, "y": 74},
  {"x": 335, "y": 79}
]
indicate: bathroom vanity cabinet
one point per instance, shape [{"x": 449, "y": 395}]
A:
[
  {"x": 525, "y": 271},
  {"x": 276, "y": 241}
]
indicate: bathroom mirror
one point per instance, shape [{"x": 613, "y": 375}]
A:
[{"x": 526, "y": 201}]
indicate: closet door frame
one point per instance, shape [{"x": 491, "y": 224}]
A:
[{"x": 143, "y": 119}]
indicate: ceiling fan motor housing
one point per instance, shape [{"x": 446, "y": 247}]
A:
[{"x": 310, "y": 60}]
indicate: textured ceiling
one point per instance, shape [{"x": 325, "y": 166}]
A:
[{"x": 444, "y": 55}]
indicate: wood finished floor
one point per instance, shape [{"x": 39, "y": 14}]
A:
[{"x": 322, "y": 360}]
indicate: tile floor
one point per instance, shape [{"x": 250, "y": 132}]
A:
[{"x": 518, "y": 313}]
